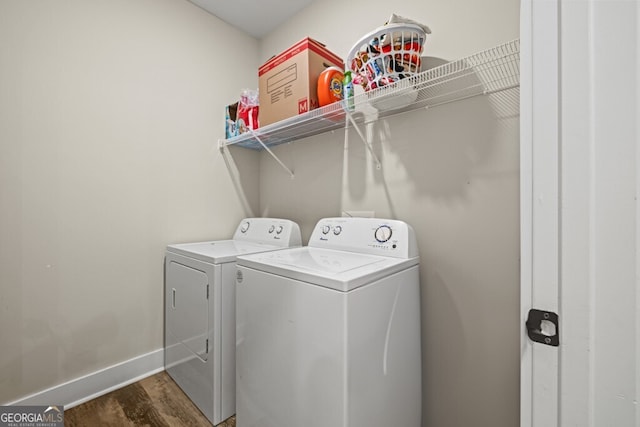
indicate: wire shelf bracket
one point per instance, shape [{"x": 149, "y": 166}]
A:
[{"x": 363, "y": 138}]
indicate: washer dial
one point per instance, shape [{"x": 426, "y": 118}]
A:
[
  {"x": 244, "y": 227},
  {"x": 383, "y": 233}
]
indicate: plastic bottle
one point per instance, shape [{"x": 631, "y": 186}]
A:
[{"x": 348, "y": 90}]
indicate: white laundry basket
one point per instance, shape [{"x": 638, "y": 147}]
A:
[{"x": 386, "y": 55}]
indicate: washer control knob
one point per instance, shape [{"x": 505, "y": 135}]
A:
[
  {"x": 279, "y": 229},
  {"x": 325, "y": 229},
  {"x": 383, "y": 233},
  {"x": 245, "y": 226},
  {"x": 273, "y": 227},
  {"x": 337, "y": 230}
]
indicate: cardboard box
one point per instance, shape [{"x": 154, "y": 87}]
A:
[{"x": 288, "y": 82}]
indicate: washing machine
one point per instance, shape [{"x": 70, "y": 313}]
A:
[
  {"x": 200, "y": 310},
  {"x": 329, "y": 334}
]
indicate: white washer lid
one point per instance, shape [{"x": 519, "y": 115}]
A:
[
  {"x": 339, "y": 270},
  {"x": 219, "y": 251}
]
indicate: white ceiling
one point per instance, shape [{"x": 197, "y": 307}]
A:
[{"x": 255, "y": 17}]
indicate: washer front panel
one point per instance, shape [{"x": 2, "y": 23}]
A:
[{"x": 316, "y": 357}]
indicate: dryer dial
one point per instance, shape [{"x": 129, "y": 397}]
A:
[{"x": 245, "y": 226}]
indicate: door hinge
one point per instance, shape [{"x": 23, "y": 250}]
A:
[{"x": 543, "y": 327}]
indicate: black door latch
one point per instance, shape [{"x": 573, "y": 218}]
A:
[{"x": 543, "y": 327}]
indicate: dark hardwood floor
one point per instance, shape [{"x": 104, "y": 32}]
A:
[{"x": 153, "y": 401}]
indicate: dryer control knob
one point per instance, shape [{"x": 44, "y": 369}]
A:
[
  {"x": 273, "y": 227},
  {"x": 279, "y": 229},
  {"x": 383, "y": 233},
  {"x": 337, "y": 230},
  {"x": 244, "y": 227},
  {"x": 325, "y": 229}
]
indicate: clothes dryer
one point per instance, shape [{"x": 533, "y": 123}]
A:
[
  {"x": 329, "y": 334},
  {"x": 200, "y": 310}
]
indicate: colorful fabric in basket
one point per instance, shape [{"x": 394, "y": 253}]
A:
[{"x": 388, "y": 54}]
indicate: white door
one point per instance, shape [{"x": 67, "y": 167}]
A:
[{"x": 580, "y": 168}]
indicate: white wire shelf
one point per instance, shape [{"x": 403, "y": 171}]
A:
[{"x": 483, "y": 73}]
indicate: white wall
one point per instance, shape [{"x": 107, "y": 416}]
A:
[
  {"x": 452, "y": 172},
  {"x": 110, "y": 113}
]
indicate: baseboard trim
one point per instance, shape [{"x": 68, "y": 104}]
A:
[{"x": 90, "y": 386}]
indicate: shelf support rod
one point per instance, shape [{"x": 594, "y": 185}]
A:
[
  {"x": 257, "y": 138},
  {"x": 364, "y": 139}
]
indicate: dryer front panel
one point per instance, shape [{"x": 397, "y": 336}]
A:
[
  {"x": 188, "y": 307},
  {"x": 192, "y": 332}
]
